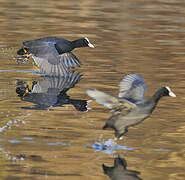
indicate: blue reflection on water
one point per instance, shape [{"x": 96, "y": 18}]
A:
[
  {"x": 14, "y": 141},
  {"x": 31, "y": 71},
  {"x": 109, "y": 147},
  {"x": 27, "y": 138},
  {"x": 4, "y": 70}
]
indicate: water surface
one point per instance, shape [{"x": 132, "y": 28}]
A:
[{"x": 144, "y": 37}]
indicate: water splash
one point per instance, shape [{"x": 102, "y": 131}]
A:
[{"x": 109, "y": 146}]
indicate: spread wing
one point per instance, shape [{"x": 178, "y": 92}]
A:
[
  {"x": 70, "y": 60},
  {"x": 108, "y": 100},
  {"x": 54, "y": 85},
  {"x": 132, "y": 88},
  {"x": 49, "y": 61}
]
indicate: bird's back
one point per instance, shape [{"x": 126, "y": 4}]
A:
[{"x": 39, "y": 41}]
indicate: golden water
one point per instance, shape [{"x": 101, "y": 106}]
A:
[{"x": 145, "y": 37}]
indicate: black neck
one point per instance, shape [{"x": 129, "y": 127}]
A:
[
  {"x": 78, "y": 43},
  {"x": 158, "y": 95}
]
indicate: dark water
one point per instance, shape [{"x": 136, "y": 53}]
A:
[{"x": 60, "y": 142}]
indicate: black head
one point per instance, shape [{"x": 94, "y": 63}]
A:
[
  {"x": 22, "y": 88},
  {"x": 83, "y": 42},
  {"x": 120, "y": 171},
  {"x": 87, "y": 42},
  {"x": 167, "y": 92},
  {"x": 164, "y": 91},
  {"x": 22, "y": 51}
]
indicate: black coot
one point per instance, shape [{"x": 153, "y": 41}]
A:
[
  {"x": 129, "y": 107},
  {"x": 53, "y": 55}
]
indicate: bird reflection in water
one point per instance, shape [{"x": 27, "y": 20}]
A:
[
  {"x": 50, "y": 92},
  {"x": 119, "y": 171}
]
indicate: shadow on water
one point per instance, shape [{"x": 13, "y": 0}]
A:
[
  {"x": 50, "y": 92},
  {"x": 119, "y": 171}
]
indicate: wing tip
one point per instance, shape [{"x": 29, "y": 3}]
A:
[{"x": 70, "y": 60}]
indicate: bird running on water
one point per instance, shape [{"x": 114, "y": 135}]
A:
[
  {"x": 52, "y": 56},
  {"x": 129, "y": 107}
]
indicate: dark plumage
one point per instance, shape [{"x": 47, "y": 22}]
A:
[
  {"x": 53, "y": 55},
  {"x": 119, "y": 171},
  {"x": 129, "y": 107},
  {"x": 51, "y": 92}
]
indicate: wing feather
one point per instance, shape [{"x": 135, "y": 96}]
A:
[
  {"x": 132, "y": 87},
  {"x": 108, "y": 100},
  {"x": 49, "y": 61}
]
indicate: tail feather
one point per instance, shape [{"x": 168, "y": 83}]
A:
[
  {"x": 80, "y": 105},
  {"x": 105, "y": 127}
]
